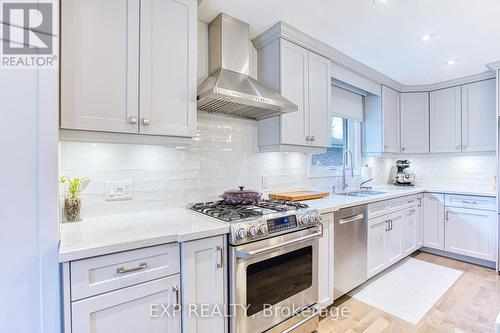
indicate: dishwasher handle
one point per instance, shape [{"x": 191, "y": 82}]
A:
[{"x": 352, "y": 218}]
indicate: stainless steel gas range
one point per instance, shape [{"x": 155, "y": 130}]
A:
[{"x": 273, "y": 264}]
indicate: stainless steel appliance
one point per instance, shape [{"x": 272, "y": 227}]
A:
[
  {"x": 229, "y": 89},
  {"x": 350, "y": 229},
  {"x": 273, "y": 264},
  {"x": 403, "y": 176}
]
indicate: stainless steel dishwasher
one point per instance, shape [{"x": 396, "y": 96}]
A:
[{"x": 350, "y": 249}]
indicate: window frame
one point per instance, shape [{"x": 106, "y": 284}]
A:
[{"x": 352, "y": 129}]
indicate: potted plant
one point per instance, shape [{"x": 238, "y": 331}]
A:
[{"x": 72, "y": 202}]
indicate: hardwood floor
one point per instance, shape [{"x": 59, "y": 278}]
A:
[{"x": 470, "y": 305}]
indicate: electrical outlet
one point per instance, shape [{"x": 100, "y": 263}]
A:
[{"x": 116, "y": 191}]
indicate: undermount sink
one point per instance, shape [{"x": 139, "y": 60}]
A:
[{"x": 365, "y": 193}]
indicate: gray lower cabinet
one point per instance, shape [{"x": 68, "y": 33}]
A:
[
  {"x": 149, "y": 290},
  {"x": 203, "y": 279},
  {"x": 131, "y": 310}
]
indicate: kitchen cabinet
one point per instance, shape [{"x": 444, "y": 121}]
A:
[
  {"x": 433, "y": 221},
  {"x": 478, "y": 116},
  {"x": 445, "y": 120},
  {"x": 415, "y": 122},
  {"x": 419, "y": 218},
  {"x": 304, "y": 78},
  {"x": 384, "y": 242},
  {"x": 326, "y": 262},
  {"x": 410, "y": 227},
  {"x": 204, "y": 272},
  {"x": 381, "y": 126},
  {"x": 377, "y": 233},
  {"x": 393, "y": 242},
  {"x": 131, "y": 309},
  {"x": 470, "y": 232},
  {"x": 129, "y": 66}
]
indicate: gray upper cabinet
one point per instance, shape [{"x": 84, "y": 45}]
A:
[
  {"x": 415, "y": 122},
  {"x": 479, "y": 116},
  {"x": 129, "y": 66},
  {"x": 390, "y": 120},
  {"x": 304, "y": 78},
  {"x": 445, "y": 120},
  {"x": 381, "y": 125}
]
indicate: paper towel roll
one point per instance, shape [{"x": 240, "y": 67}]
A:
[{"x": 366, "y": 173}]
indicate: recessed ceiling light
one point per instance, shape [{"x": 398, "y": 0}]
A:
[
  {"x": 378, "y": 2},
  {"x": 425, "y": 38},
  {"x": 451, "y": 62}
]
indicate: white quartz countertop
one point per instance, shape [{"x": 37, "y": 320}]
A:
[
  {"x": 109, "y": 234},
  {"x": 116, "y": 233},
  {"x": 334, "y": 203}
]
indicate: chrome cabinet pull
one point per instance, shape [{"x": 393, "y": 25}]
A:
[
  {"x": 387, "y": 225},
  {"x": 390, "y": 225},
  {"x": 447, "y": 215},
  {"x": 123, "y": 270},
  {"x": 468, "y": 202},
  {"x": 403, "y": 148},
  {"x": 133, "y": 120},
  {"x": 177, "y": 306},
  {"x": 419, "y": 202},
  {"x": 146, "y": 121},
  {"x": 220, "y": 261}
]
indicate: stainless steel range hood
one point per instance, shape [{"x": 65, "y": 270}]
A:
[{"x": 229, "y": 89}]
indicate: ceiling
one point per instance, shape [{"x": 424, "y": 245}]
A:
[{"x": 386, "y": 36}]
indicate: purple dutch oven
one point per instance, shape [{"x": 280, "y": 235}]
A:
[{"x": 241, "y": 196}]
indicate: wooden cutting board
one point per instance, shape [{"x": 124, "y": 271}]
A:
[{"x": 298, "y": 195}]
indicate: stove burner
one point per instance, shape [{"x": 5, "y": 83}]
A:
[{"x": 229, "y": 213}]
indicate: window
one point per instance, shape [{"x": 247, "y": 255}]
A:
[{"x": 346, "y": 134}]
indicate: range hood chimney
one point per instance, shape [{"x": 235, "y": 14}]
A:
[{"x": 229, "y": 89}]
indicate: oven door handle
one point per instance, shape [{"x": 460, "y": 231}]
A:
[{"x": 249, "y": 254}]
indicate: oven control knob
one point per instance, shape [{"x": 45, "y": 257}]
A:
[
  {"x": 318, "y": 217},
  {"x": 263, "y": 229},
  {"x": 312, "y": 218},
  {"x": 241, "y": 233},
  {"x": 252, "y": 231},
  {"x": 304, "y": 220}
]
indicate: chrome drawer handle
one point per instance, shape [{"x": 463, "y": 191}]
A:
[
  {"x": 177, "y": 306},
  {"x": 220, "y": 262},
  {"x": 146, "y": 121},
  {"x": 133, "y": 120},
  {"x": 123, "y": 270}
]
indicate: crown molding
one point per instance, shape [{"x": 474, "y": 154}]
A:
[
  {"x": 286, "y": 31},
  {"x": 450, "y": 83}
]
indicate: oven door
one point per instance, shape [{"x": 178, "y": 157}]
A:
[{"x": 279, "y": 274}]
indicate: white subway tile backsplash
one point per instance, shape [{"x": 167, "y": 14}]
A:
[{"x": 224, "y": 155}]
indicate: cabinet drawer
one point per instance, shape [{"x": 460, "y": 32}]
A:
[
  {"x": 377, "y": 209},
  {"x": 411, "y": 201},
  {"x": 114, "y": 271},
  {"x": 469, "y": 201}
]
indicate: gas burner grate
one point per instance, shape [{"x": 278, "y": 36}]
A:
[{"x": 230, "y": 213}]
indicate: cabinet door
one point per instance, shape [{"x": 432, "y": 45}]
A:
[
  {"x": 470, "y": 232},
  {"x": 409, "y": 233},
  {"x": 320, "y": 99},
  {"x": 294, "y": 86},
  {"x": 168, "y": 67},
  {"x": 393, "y": 243},
  {"x": 433, "y": 221},
  {"x": 377, "y": 234},
  {"x": 100, "y": 65},
  {"x": 390, "y": 120},
  {"x": 415, "y": 122},
  {"x": 478, "y": 116},
  {"x": 130, "y": 310},
  {"x": 445, "y": 120},
  {"x": 326, "y": 262},
  {"x": 420, "y": 229},
  {"x": 203, "y": 267}
]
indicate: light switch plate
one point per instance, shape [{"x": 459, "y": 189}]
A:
[{"x": 119, "y": 191}]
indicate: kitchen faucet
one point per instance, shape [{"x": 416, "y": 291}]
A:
[{"x": 347, "y": 153}]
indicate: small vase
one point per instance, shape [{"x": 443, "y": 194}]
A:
[{"x": 72, "y": 206}]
